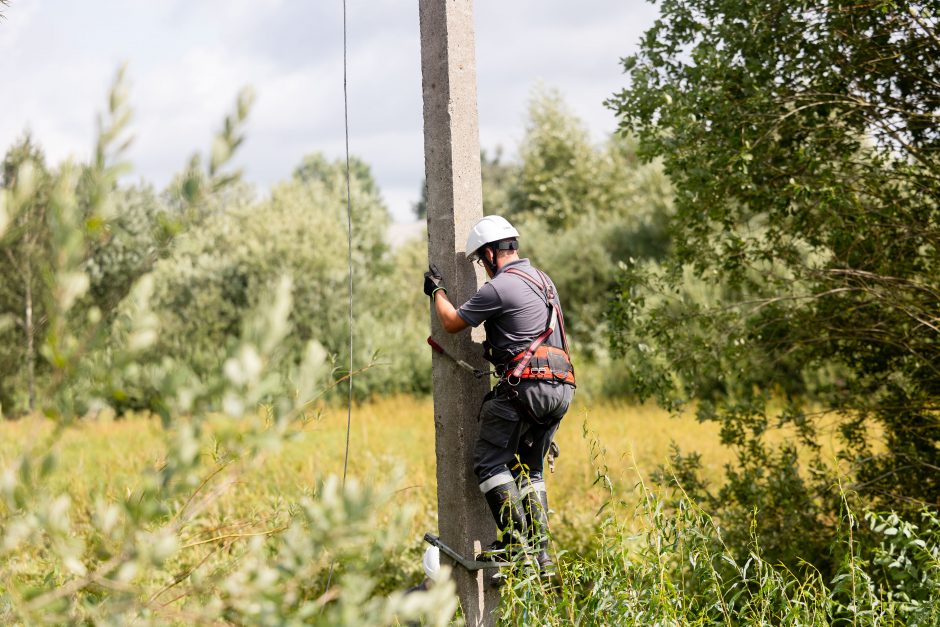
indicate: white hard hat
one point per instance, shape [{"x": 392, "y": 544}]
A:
[
  {"x": 489, "y": 229},
  {"x": 432, "y": 563}
]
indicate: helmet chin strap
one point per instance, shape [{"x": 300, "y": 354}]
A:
[
  {"x": 491, "y": 265},
  {"x": 494, "y": 248}
]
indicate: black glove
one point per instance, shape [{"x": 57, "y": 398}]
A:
[{"x": 433, "y": 281}]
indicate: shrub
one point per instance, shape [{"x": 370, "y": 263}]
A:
[{"x": 165, "y": 552}]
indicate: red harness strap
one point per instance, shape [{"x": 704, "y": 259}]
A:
[{"x": 551, "y": 362}]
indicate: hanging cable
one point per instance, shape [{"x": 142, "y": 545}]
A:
[
  {"x": 349, "y": 238},
  {"x": 349, "y": 242}
]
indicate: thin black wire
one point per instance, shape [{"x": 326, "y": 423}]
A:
[{"x": 349, "y": 241}]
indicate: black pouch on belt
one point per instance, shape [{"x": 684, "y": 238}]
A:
[{"x": 559, "y": 364}]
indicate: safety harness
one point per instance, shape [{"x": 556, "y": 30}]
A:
[{"x": 540, "y": 361}]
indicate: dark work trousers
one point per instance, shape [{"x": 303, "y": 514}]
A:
[{"x": 506, "y": 432}]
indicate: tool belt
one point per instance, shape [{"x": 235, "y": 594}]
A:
[{"x": 546, "y": 363}]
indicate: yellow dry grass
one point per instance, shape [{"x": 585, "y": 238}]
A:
[{"x": 389, "y": 437}]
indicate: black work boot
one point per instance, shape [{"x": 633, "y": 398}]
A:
[
  {"x": 536, "y": 509},
  {"x": 511, "y": 524}
]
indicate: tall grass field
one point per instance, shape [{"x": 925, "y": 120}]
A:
[
  {"x": 390, "y": 440},
  {"x": 627, "y": 554}
]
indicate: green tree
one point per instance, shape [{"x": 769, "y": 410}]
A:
[
  {"x": 71, "y": 558},
  {"x": 558, "y": 173},
  {"x": 221, "y": 270},
  {"x": 499, "y": 179},
  {"x": 583, "y": 209},
  {"x": 47, "y": 219},
  {"x": 138, "y": 234},
  {"x": 803, "y": 146},
  {"x": 25, "y": 251},
  {"x": 420, "y": 208}
]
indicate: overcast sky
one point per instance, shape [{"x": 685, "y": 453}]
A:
[{"x": 187, "y": 59}]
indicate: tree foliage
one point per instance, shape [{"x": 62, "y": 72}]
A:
[
  {"x": 139, "y": 233},
  {"x": 223, "y": 269},
  {"x": 557, "y": 176},
  {"x": 163, "y": 552},
  {"x": 25, "y": 251},
  {"x": 802, "y": 142},
  {"x": 582, "y": 209}
]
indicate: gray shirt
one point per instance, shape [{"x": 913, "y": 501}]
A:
[{"x": 513, "y": 311}]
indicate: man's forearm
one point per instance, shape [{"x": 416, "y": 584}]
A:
[{"x": 447, "y": 314}]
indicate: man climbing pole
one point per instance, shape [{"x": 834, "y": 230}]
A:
[{"x": 526, "y": 342}]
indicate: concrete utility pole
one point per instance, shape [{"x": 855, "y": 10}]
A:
[{"x": 455, "y": 202}]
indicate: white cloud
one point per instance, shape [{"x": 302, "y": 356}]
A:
[
  {"x": 188, "y": 60},
  {"x": 13, "y": 31}
]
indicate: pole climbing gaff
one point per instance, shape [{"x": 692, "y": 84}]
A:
[
  {"x": 479, "y": 374},
  {"x": 471, "y": 565}
]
